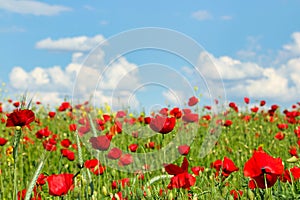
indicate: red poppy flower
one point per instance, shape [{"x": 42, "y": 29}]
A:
[
  {"x": 16, "y": 104},
  {"x": 162, "y": 124},
  {"x": 64, "y": 106},
  {"x": 207, "y": 107},
  {"x": 99, "y": 170},
  {"x": 51, "y": 114},
  {"x": 262, "y": 103},
  {"x": 20, "y": 118},
  {"x": 133, "y": 147},
  {"x": 260, "y": 167},
  {"x": 190, "y": 117},
  {"x": 65, "y": 143},
  {"x": 120, "y": 114},
  {"x": 217, "y": 165},
  {"x": 91, "y": 163},
  {"x": 116, "y": 128},
  {"x": 279, "y": 136},
  {"x": 106, "y": 117},
  {"x": 237, "y": 194},
  {"x": 282, "y": 126},
  {"x": 2, "y": 141},
  {"x": 181, "y": 178},
  {"x": 101, "y": 142},
  {"x": 286, "y": 177},
  {"x": 125, "y": 159},
  {"x": 197, "y": 169},
  {"x": 114, "y": 153},
  {"x": 227, "y": 123},
  {"x": 206, "y": 117},
  {"x": 70, "y": 155},
  {"x": 234, "y": 106},
  {"x": 184, "y": 149},
  {"x": 293, "y": 151},
  {"x": 50, "y": 144},
  {"x": 94, "y": 166},
  {"x": 41, "y": 180},
  {"x": 150, "y": 145},
  {"x": 60, "y": 184},
  {"x": 147, "y": 120},
  {"x": 228, "y": 167},
  {"x": 246, "y": 100},
  {"x": 83, "y": 130},
  {"x": 254, "y": 109},
  {"x": 45, "y": 132},
  {"x": 164, "y": 111},
  {"x": 176, "y": 112},
  {"x": 72, "y": 127},
  {"x": 193, "y": 101}
]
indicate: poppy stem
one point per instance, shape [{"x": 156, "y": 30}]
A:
[{"x": 17, "y": 137}]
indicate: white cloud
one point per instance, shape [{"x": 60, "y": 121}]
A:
[
  {"x": 32, "y": 7},
  {"x": 226, "y": 17},
  {"x": 80, "y": 43},
  {"x": 42, "y": 79},
  {"x": 86, "y": 75},
  {"x": 228, "y": 68},
  {"x": 272, "y": 85},
  {"x": 294, "y": 47},
  {"x": 202, "y": 15}
]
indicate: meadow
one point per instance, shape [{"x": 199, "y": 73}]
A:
[{"x": 83, "y": 152}]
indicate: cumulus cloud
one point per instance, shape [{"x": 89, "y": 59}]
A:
[
  {"x": 80, "y": 43},
  {"x": 278, "y": 81},
  {"x": 228, "y": 68},
  {"x": 202, "y": 15},
  {"x": 294, "y": 47},
  {"x": 32, "y": 7},
  {"x": 44, "y": 79},
  {"x": 86, "y": 75}
]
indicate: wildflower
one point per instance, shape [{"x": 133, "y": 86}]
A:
[
  {"x": 193, "y": 101},
  {"x": 114, "y": 153},
  {"x": 101, "y": 142},
  {"x": 60, "y": 184},
  {"x": 20, "y": 118},
  {"x": 184, "y": 149},
  {"x": 2, "y": 141},
  {"x": 66, "y": 143},
  {"x": 70, "y": 155},
  {"x": 133, "y": 147},
  {"x": 262, "y": 167},
  {"x": 181, "y": 178},
  {"x": 162, "y": 124},
  {"x": 125, "y": 159},
  {"x": 246, "y": 100},
  {"x": 295, "y": 172}
]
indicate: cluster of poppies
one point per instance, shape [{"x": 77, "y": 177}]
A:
[{"x": 261, "y": 169}]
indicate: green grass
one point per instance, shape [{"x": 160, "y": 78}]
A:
[{"x": 236, "y": 142}]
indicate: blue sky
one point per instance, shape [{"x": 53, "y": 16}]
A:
[{"x": 255, "y": 45}]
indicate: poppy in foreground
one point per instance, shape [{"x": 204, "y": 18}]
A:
[
  {"x": 20, "y": 118},
  {"x": 162, "y": 124},
  {"x": 181, "y": 178},
  {"x": 60, "y": 184},
  {"x": 262, "y": 167}
]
